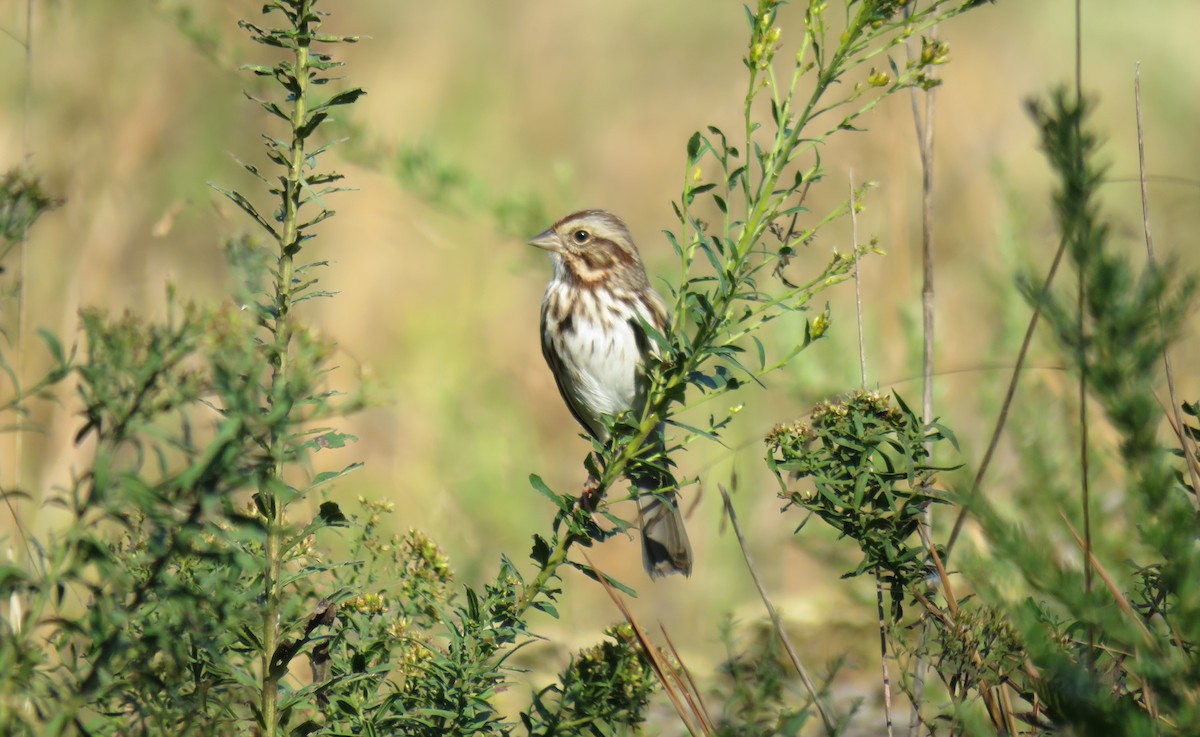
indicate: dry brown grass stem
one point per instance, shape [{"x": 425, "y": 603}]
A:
[
  {"x": 1084, "y": 471},
  {"x": 943, "y": 578},
  {"x": 1092, "y": 563},
  {"x": 20, "y": 308},
  {"x": 1009, "y": 395},
  {"x": 1175, "y": 421},
  {"x": 862, "y": 364},
  {"x": 687, "y": 705},
  {"x": 1119, "y": 597},
  {"x": 862, "y": 349},
  {"x": 776, "y": 622},
  {"x": 883, "y": 655},
  {"x": 1188, "y": 448},
  {"x": 995, "y": 699},
  {"x": 683, "y": 677}
]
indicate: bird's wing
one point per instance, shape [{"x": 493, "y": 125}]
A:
[
  {"x": 654, "y": 311},
  {"x": 552, "y": 352}
]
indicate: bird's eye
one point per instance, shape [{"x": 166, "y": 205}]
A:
[{"x": 581, "y": 236}]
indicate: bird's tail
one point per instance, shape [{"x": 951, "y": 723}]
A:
[{"x": 665, "y": 546}]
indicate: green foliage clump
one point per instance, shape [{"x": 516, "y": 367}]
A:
[
  {"x": 23, "y": 201},
  {"x": 869, "y": 461},
  {"x": 605, "y": 687}
]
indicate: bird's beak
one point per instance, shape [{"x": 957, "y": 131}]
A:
[{"x": 547, "y": 240}]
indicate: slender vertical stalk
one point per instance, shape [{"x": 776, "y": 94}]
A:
[
  {"x": 1078, "y": 51},
  {"x": 827, "y": 717},
  {"x": 887, "y": 679},
  {"x": 862, "y": 348},
  {"x": 1081, "y": 295},
  {"x": 1185, "y": 440},
  {"x": 862, "y": 367},
  {"x": 22, "y": 275},
  {"x": 281, "y": 328},
  {"x": 924, "y": 125},
  {"x": 1009, "y": 395},
  {"x": 27, "y": 101}
]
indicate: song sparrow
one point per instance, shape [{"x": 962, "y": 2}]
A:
[{"x": 596, "y": 348}]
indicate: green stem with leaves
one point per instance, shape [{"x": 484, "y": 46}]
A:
[{"x": 280, "y": 327}]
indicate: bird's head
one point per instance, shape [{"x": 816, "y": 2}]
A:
[{"x": 591, "y": 247}]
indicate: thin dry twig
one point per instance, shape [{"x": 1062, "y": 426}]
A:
[
  {"x": 693, "y": 722},
  {"x": 22, "y": 316},
  {"x": 1178, "y": 429},
  {"x": 690, "y": 691},
  {"x": 995, "y": 699},
  {"x": 1183, "y": 436},
  {"x": 1119, "y": 597},
  {"x": 1127, "y": 608},
  {"x": 883, "y": 654},
  {"x": 943, "y": 578},
  {"x": 776, "y": 622},
  {"x": 862, "y": 363},
  {"x": 1009, "y": 395},
  {"x": 1033, "y": 320},
  {"x": 862, "y": 349}
]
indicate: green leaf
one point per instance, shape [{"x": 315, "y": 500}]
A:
[
  {"x": 54, "y": 345},
  {"x": 695, "y": 430},
  {"x": 326, "y": 476},
  {"x": 596, "y": 575},
  {"x": 541, "y": 550},
  {"x": 332, "y": 439},
  {"x": 349, "y": 97},
  {"x": 311, "y": 124},
  {"x": 563, "y": 502},
  {"x": 270, "y": 107},
  {"x": 735, "y": 175},
  {"x": 246, "y": 207},
  {"x": 546, "y": 606}
]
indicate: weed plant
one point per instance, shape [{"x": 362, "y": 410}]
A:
[{"x": 196, "y": 590}]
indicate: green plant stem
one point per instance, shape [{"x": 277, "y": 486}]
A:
[
  {"x": 558, "y": 556},
  {"x": 288, "y": 236},
  {"x": 924, "y": 127}
]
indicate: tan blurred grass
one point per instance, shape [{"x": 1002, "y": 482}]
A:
[{"x": 586, "y": 104}]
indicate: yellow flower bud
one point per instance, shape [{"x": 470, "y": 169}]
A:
[{"x": 819, "y": 325}]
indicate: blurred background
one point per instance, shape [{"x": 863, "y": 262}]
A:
[{"x": 486, "y": 120}]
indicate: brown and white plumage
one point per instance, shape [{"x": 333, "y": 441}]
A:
[{"x": 594, "y": 343}]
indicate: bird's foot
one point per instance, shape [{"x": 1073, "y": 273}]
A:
[{"x": 590, "y": 497}]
